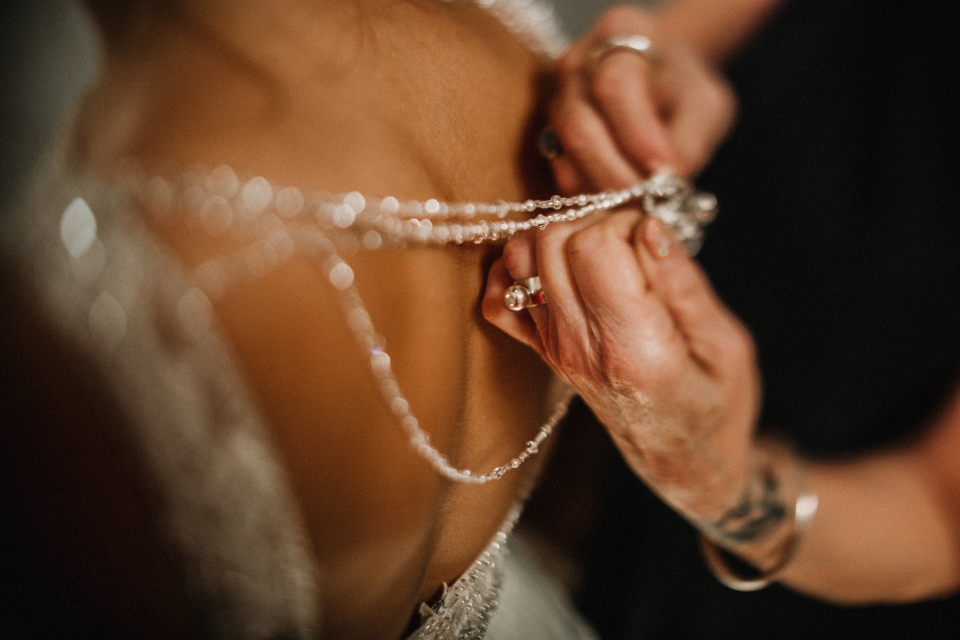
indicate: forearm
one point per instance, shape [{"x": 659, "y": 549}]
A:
[
  {"x": 886, "y": 529},
  {"x": 716, "y": 29},
  {"x": 884, "y": 532}
]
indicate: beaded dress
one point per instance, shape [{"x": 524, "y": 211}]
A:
[{"x": 125, "y": 301}]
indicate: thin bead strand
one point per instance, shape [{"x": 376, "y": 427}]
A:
[{"x": 280, "y": 222}]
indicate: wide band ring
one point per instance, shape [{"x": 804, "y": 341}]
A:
[
  {"x": 524, "y": 294},
  {"x": 635, "y": 43}
]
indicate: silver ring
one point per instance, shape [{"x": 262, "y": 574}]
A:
[
  {"x": 524, "y": 294},
  {"x": 636, "y": 43}
]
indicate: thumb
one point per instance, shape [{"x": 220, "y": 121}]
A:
[{"x": 713, "y": 333}]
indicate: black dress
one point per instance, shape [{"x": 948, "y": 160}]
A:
[{"x": 838, "y": 244}]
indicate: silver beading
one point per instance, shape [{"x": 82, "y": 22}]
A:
[{"x": 274, "y": 223}]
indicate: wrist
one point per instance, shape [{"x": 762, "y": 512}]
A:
[
  {"x": 715, "y": 29},
  {"x": 753, "y": 542}
]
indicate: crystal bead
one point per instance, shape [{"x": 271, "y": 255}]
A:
[
  {"x": 157, "y": 195},
  {"x": 289, "y": 202},
  {"x": 355, "y": 201},
  {"x": 78, "y": 228},
  {"x": 327, "y": 215},
  {"x": 256, "y": 194},
  {"x": 389, "y": 206},
  {"x": 380, "y": 363},
  {"x": 107, "y": 321},
  {"x": 341, "y": 275},
  {"x": 344, "y": 215},
  {"x": 399, "y": 406},
  {"x": 224, "y": 181},
  {"x": 372, "y": 240}
]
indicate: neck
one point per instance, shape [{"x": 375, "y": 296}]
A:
[{"x": 193, "y": 76}]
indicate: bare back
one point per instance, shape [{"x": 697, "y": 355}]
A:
[{"x": 416, "y": 100}]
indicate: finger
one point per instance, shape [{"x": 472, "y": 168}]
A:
[
  {"x": 570, "y": 180},
  {"x": 709, "y": 328},
  {"x": 586, "y": 140},
  {"x": 562, "y": 323},
  {"x": 623, "y": 311},
  {"x": 541, "y": 254},
  {"x": 518, "y": 326},
  {"x": 700, "y": 121},
  {"x": 520, "y": 260},
  {"x": 622, "y": 85}
]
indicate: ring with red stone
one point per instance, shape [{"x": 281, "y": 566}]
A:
[{"x": 524, "y": 294}]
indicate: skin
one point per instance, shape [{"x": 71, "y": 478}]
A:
[
  {"x": 633, "y": 324},
  {"x": 412, "y": 99}
]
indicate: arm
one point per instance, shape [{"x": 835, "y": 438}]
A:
[
  {"x": 672, "y": 375},
  {"x": 888, "y": 526}
]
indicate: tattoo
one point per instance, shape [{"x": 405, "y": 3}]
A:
[{"x": 758, "y": 512}]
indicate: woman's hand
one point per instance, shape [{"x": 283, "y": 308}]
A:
[
  {"x": 622, "y": 115},
  {"x": 632, "y": 323}
]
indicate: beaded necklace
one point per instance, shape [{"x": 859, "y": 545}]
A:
[{"x": 273, "y": 223}]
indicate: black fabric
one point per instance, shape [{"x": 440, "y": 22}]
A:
[{"x": 838, "y": 244}]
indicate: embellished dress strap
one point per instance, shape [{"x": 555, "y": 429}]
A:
[{"x": 226, "y": 504}]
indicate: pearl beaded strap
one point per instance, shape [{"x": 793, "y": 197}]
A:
[{"x": 278, "y": 222}]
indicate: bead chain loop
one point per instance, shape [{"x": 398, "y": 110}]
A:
[{"x": 284, "y": 221}]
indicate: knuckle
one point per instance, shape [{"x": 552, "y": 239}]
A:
[
  {"x": 568, "y": 64},
  {"x": 550, "y": 240},
  {"x": 722, "y": 101},
  {"x": 613, "y": 79},
  {"x": 574, "y": 132},
  {"x": 567, "y": 178},
  {"x": 585, "y": 243},
  {"x": 516, "y": 256},
  {"x": 592, "y": 243},
  {"x": 545, "y": 241},
  {"x": 651, "y": 368}
]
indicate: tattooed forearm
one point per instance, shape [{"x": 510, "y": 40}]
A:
[{"x": 761, "y": 508}]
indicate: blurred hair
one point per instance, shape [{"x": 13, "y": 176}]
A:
[
  {"x": 123, "y": 25},
  {"x": 118, "y": 20}
]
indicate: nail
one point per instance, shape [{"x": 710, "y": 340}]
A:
[{"x": 658, "y": 239}]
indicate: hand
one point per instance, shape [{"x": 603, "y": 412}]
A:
[
  {"x": 632, "y": 323},
  {"x": 626, "y": 115}
]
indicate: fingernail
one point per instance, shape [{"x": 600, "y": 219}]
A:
[{"x": 658, "y": 239}]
